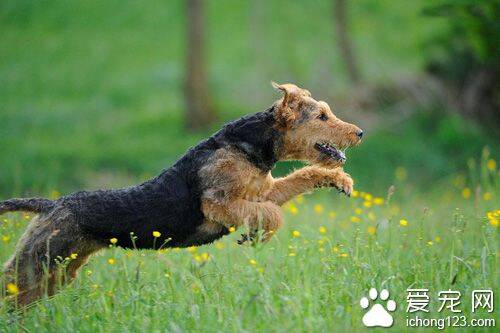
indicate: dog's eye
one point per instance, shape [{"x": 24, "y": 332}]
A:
[{"x": 323, "y": 117}]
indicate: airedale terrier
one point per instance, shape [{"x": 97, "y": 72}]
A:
[{"x": 223, "y": 182}]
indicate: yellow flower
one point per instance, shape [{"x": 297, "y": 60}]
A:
[
  {"x": 355, "y": 194},
  {"x": 335, "y": 249},
  {"x": 368, "y": 197},
  {"x": 292, "y": 254},
  {"x": 322, "y": 230},
  {"x": 401, "y": 173},
  {"x": 111, "y": 261},
  {"x": 430, "y": 243},
  {"x": 293, "y": 210},
  {"x": 321, "y": 249},
  {"x": 487, "y": 196},
  {"x": 318, "y": 209},
  {"x": 205, "y": 256},
  {"x": 232, "y": 229},
  {"x": 252, "y": 262},
  {"x": 191, "y": 249},
  {"x": 378, "y": 201},
  {"x": 219, "y": 245},
  {"x": 358, "y": 211},
  {"x": 156, "y": 234},
  {"x": 296, "y": 233},
  {"x": 367, "y": 204},
  {"x": 466, "y": 192},
  {"x": 332, "y": 214},
  {"x": 491, "y": 164},
  {"x": 73, "y": 256},
  {"x": 113, "y": 240},
  {"x": 437, "y": 239},
  {"x": 12, "y": 289},
  {"x": 344, "y": 255},
  {"x": 403, "y": 222},
  {"x": 299, "y": 199},
  {"x": 493, "y": 217},
  {"x": 372, "y": 230},
  {"x": 355, "y": 219},
  {"x": 5, "y": 239}
]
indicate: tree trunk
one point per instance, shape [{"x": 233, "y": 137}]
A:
[
  {"x": 199, "y": 113},
  {"x": 344, "y": 43}
]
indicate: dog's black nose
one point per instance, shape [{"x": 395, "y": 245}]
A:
[{"x": 360, "y": 134}]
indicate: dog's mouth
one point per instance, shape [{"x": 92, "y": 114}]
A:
[{"x": 329, "y": 151}]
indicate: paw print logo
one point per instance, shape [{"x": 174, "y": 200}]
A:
[{"x": 378, "y": 314}]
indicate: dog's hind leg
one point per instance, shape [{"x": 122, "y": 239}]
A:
[
  {"x": 38, "y": 266},
  {"x": 243, "y": 212}
]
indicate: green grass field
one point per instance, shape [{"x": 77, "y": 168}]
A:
[{"x": 310, "y": 277}]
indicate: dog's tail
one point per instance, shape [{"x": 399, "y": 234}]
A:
[{"x": 35, "y": 205}]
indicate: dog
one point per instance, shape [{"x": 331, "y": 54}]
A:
[{"x": 222, "y": 183}]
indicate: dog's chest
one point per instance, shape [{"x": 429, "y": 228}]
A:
[{"x": 257, "y": 186}]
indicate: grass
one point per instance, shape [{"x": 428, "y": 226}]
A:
[
  {"x": 310, "y": 277},
  {"x": 91, "y": 96}
]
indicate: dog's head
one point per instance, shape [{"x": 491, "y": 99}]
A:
[{"x": 312, "y": 132}]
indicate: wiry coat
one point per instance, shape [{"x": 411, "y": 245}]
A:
[
  {"x": 171, "y": 202},
  {"x": 224, "y": 181}
]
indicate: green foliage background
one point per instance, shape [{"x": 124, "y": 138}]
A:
[{"x": 93, "y": 90}]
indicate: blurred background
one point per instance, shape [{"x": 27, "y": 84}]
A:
[{"x": 106, "y": 93}]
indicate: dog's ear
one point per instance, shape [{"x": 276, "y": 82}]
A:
[
  {"x": 291, "y": 93},
  {"x": 287, "y": 111}
]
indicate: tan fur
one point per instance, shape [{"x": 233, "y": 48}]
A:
[
  {"x": 234, "y": 193},
  {"x": 238, "y": 193},
  {"x": 307, "y": 179}
]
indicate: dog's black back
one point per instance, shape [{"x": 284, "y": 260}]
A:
[{"x": 170, "y": 203}]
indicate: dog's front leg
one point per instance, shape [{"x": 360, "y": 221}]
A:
[
  {"x": 241, "y": 212},
  {"x": 307, "y": 179}
]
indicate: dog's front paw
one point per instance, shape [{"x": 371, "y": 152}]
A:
[
  {"x": 341, "y": 181},
  {"x": 345, "y": 184}
]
